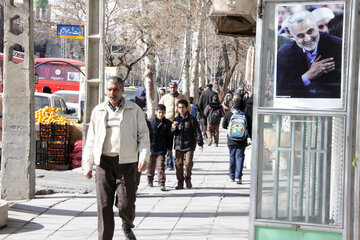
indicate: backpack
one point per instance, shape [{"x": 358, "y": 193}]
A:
[
  {"x": 238, "y": 128},
  {"x": 214, "y": 117}
]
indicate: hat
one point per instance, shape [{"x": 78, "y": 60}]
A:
[
  {"x": 322, "y": 13},
  {"x": 173, "y": 84},
  {"x": 209, "y": 85}
]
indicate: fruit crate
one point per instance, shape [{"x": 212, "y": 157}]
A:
[
  {"x": 52, "y": 154},
  {"x": 54, "y": 132}
]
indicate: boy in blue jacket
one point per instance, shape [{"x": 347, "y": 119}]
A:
[{"x": 162, "y": 144}]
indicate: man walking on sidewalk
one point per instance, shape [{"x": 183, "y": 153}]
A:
[
  {"x": 205, "y": 99},
  {"x": 117, "y": 132}
]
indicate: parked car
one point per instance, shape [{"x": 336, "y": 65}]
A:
[
  {"x": 45, "y": 99},
  {"x": 71, "y": 99},
  {"x": 130, "y": 93}
]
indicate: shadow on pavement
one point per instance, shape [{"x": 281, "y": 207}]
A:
[
  {"x": 192, "y": 214},
  {"x": 19, "y": 226},
  {"x": 186, "y": 195}
]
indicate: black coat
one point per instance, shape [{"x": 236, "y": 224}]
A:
[
  {"x": 163, "y": 138},
  {"x": 225, "y": 125},
  {"x": 206, "y": 98},
  {"x": 214, "y": 106},
  {"x": 292, "y": 64},
  {"x": 187, "y": 133}
]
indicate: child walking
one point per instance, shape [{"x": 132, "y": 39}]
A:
[
  {"x": 239, "y": 129},
  {"x": 187, "y": 133},
  {"x": 162, "y": 144}
]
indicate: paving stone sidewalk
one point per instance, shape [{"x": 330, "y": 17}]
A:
[{"x": 215, "y": 208}]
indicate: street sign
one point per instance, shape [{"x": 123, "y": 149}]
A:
[{"x": 70, "y": 31}]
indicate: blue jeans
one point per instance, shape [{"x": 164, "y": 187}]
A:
[
  {"x": 169, "y": 161},
  {"x": 237, "y": 156}
]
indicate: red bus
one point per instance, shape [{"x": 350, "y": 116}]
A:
[{"x": 56, "y": 73}]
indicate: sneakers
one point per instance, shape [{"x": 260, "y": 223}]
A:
[
  {"x": 232, "y": 180},
  {"x": 238, "y": 181},
  {"x": 210, "y": 142},
  {"x": 180, "y": 185},
  {"x": 162, "y": 187},
  {"x": 170, "y": 169},
  {"x": 188, "y": 183},
  {"x": 129, "y": 234},
  {"x": 150, "y": 184}
]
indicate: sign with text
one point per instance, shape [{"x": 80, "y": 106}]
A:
[{"x": 70, "y": 31}]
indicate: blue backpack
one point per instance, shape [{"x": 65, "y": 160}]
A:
[{"x": 238, "y": 128}]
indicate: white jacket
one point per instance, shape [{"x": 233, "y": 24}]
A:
[
  {"x": 170, "y": 103},
  {"x": 134, "y": 136}
]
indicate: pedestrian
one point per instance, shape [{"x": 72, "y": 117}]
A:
[
  {"x": 117, "y": 132},
  {"x": 161, "y": 127},
  {"x": 162, "y": 92},
  {"x": 186, "y": 134},
  {"x": 213, "y": 112},
  {"x": 239, "y": 129},
  {"x": 195, "y": 110},
  {"x": 170, "y": 101},
  {"x": 205, "y": 99},
  {"x": 227, "y": 103}
]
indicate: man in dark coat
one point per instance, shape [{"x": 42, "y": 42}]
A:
[
  {"x": 206, "y": 98},
  {"x": 310, "y": 66}
]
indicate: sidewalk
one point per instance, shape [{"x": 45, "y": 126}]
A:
[{"x": 214, "y": 208}]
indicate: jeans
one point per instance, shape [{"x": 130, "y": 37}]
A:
[
  {"x": 169, "y": 161},
  {"x": 237, "y": 156}
]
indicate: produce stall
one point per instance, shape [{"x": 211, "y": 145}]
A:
[{"x": 58, "y": 140}]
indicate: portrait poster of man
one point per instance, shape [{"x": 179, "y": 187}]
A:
[{"x": 309, "y": 55}]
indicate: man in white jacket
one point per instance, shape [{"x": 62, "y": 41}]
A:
[{"x": 116, "y": 134}]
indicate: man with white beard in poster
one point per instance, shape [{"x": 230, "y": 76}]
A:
[{"x": 310, "y": 66}]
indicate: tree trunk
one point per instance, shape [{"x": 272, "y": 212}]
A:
[
  {"x": 185, "y": 76},
  {"x": 229, "y": 71},
  {"x": 249, "y": 72},
  {"x": 202, "y": 64},
  {"x": 149, "y": 72},
  {"x": 195, "y": 63}
]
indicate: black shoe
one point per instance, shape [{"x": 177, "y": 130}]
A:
[
  {"x": 188, "y": 183},
  {"x": 150, "y": 184},
  {"x": 180, "y": 185},
  {"x": 129, "y": 234}
]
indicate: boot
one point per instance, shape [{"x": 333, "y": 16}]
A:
[
  {"x": 180, "y": 185},
  {"x": 188, "y": 183}
]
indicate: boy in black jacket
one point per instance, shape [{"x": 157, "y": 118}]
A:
[
  {"x": 187, "y": 132},
  {"x": 162, "y": 144}
]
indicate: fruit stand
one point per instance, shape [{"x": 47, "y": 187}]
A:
[{"x": 55, "y": 139}]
